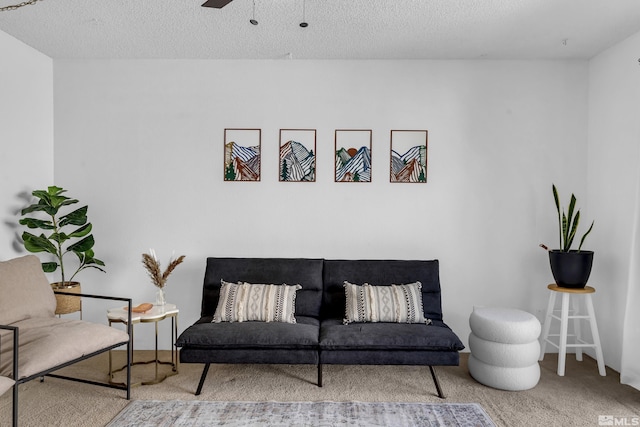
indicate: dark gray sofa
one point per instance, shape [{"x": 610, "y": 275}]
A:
[{"x": 319, "y": 336}]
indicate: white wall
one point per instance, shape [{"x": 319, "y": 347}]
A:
[
  {"x": 142, "y": 143},
  {"x": 26, "y": 134},
  {"x": 614, "y": 164}
]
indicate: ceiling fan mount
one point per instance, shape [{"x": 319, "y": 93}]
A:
[{"x": 217, "y": 4}]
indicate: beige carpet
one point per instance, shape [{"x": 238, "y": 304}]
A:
[{"x": 577, "y": 399}]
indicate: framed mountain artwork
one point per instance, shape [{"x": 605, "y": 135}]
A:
[
  {"x": 297, "y": 155},
  {"x": 408, "y": 156},
  {"x": 353, "y": 155},
  {"x": 242, "y": 154}
]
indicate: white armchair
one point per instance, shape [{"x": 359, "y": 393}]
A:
[{"x": 43, "y": 343}]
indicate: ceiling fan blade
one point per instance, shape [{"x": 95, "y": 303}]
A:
[{"x": 218, "y": 4}]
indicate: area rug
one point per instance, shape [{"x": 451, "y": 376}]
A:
[{"x": 194, "y": 413}]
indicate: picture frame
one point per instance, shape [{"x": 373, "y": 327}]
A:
[
  {"x": 353, "y": 155},
  {"x": 408, "y": 156},
  {"x": 242, "y": 155},
  {"x": 297, "y": 155}
]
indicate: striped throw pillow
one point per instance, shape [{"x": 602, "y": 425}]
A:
[
  {"x": 245, "y": 302},
  {"x": 395, "y": 303}
]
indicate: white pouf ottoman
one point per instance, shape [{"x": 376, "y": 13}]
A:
[{"x": 504, "y": 348}]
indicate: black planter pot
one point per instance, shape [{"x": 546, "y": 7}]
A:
[{"x": 571, "y": 269}]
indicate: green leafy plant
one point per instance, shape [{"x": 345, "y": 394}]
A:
[
  {"x": 60, "y": 241},
  {"x": 568, "y": 223}
]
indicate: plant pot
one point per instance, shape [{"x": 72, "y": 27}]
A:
[
  {"x": 571, "y": 269},
  {"x": 67, "y": 304}
]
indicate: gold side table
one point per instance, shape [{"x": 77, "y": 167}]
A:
[{"x": 155, "y": 315}]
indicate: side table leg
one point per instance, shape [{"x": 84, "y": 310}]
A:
[
  {"x": 156, "y": 358},
  {"x": 577, "y": 330},
  {"x": 174, "y": 348},
  {"x": 564, "y": 320},
  {"x": 547, "y": 324},
  {"x": 596, "y": 335},
  {"x": 110, "y": 361}
]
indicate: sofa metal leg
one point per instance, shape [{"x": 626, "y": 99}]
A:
[
  {"x": 202, "y": 377},
  {"x": 319, "y": 374},
  {"x": 437, "y": 383}
]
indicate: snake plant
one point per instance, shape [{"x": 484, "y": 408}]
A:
[{"x": 568, "y": 223}]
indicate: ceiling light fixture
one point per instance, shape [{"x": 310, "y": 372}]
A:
[
  {"x": 253, "y": 19},
  {"x": 216, "y": 4},
  {"x": 304, "y": 23},
  {"x": 16, "y": 6}
]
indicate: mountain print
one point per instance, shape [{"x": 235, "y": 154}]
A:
[
  {"x": 352, "y": 165},
  {"x": 410, "y": 166},
  {"x": 297, "y": 163},
  {"x": 241, "y": 163}
]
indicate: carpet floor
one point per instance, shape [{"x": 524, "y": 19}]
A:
[
  {"x": 577, "y": 399},
  {"x": 180, "y": 413}
]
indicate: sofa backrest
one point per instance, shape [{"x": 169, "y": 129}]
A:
[
  {"x": 292, "y": 271},
  {"x": 380, "y": 273},
  {"x": 25, "y": 291}
]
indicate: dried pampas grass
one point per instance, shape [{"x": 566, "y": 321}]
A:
[{"x": 152, "y": 265}]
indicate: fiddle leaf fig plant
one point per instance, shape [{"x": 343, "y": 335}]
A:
[
  {"x": 568, "y": 223},
  {"x": 67, "y": 232}
]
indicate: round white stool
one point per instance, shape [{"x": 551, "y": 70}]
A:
[{"x": 504, "y": 348}]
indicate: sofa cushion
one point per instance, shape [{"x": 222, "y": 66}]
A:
[
  {"x": 382, "y": 272},
  {"x": 25, "y": 290},
  {"x": 304, "y": 272},
  {"x": 395, "y": 303},
  {"x": 257, "y": 335},
  {"x": 49, "y": 342},
  {"x": 242, "y": 302},
  {"x": 387, "y": 336}
]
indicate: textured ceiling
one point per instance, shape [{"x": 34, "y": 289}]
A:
[{"x": 338, "y": 29}]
